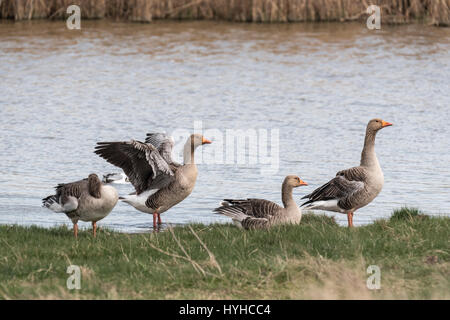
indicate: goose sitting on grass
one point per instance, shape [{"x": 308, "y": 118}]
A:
[
  {"x": 85, "y": 200},
  {"x": 259, "y": 213},
  {"x": 160, "y": 183},
  {"x": 353, "y": 188}
]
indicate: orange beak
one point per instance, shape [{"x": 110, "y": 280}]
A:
[
  {"x": 385, "y": 124},
  {"x": 206, "y": 141},
  {"x": 303, "y": 183}
]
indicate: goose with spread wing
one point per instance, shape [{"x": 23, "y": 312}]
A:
[
  {"x": 260, "y": 213},
  {"x": 353, "y": 188},
  {"x": 160, "y": 183},
  {"x": 85, "y": 200}
]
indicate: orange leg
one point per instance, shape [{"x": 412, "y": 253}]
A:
[
  {"x": 350, "y": 219},
  {"x": 155, "y": 215},
  {"x": 75, "y": 230},
  {"x": 94, "y": 228},
  {"x": 159, "y": 219}
]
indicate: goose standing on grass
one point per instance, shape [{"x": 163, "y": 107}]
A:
[
  {"x": 356, "y": 187},
  {"x": 85, "y": 200},
  {"x": 160, "y": 183},
  {"x": 259, "y": 213}
]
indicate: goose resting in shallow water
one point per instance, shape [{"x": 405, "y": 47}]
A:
[
  {"x": 259, "y": 213},
  {"x": 353, "y": 188},
  {"x": 85, "y": 200},
  {"x": 160, "y": 183}
]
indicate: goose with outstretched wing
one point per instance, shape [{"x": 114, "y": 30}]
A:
[
  {"x": 162, "y": 142},
  {"x": 159, "y": 182}
]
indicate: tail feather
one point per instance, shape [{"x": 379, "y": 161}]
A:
[
  {"x": 309, "y": 202},
  {"x": 231, "y": 211},
  {"x": 133, "y": 197},
  {"x": 51, "y": 202},
  {"x": 328, "y": 205}
]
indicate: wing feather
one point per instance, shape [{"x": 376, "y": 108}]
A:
[
  {"x": 255, "y": 223},
  {"x": 72, "y": 189},
  {"x": 256, "y": 208},
  {"x": 141, "y": 162},
  {"x": 164, "y": 144},
  {"x": 250, "y": 213},
  {"x": 343, "y": 186}
]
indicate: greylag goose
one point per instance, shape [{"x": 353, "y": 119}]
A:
[
  {"x": 85, "y": 200},
  {"x": 118, "y": 178},
  {"x": 259, "y": 213},
  {"x": 160, "y": 183},
  {"x": 352, "y": 188}
]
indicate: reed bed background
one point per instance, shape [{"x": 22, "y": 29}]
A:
[{"x": 436, "y": 12}]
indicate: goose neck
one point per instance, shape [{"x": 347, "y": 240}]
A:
[
  {"x": 368, "y": 156},
  {"x": 286, "y": 195},
  {"x": 188, "y": 152}
]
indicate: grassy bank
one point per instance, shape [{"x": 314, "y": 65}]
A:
[
  {"x": 317, "y": 259},
  {"x": 435, "y": 12}
]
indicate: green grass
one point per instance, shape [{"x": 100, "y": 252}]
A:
[
  {"x": 317, "y": 259},
  {"x": 408, "y": 214}
]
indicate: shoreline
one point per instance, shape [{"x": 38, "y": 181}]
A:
[{"x": 307, "y": 215}]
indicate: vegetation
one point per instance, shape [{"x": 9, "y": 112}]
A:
[
  {"x": 408, "y": 214},
  {"x": 436, "y": 12},
  {"x": 316, "y": 259}
]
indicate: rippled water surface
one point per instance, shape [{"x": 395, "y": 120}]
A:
[{"x": 62, "y": 91}]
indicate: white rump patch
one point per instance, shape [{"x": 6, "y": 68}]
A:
[
  {"x": 71, "y": 204},
  {"x": 327, "y": 205}
]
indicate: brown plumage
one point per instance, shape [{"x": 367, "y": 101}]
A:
[
  {"x": 164, "y": 144},
  {"x": 75, "y": 189},
  {"x": 260, "y": 213},
  {"x": 86, "y": 200},
  {"x": 353, "y": 188},
  {"x": 160, "y": 183},
  {"x": 343, "y": 187},
  {"x": 141, "y": 162}
]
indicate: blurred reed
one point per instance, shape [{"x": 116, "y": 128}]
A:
[{"x": 436, "y": 12}]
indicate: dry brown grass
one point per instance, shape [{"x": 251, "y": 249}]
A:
[
  {"x": 315, "y": 260},
  {"x": 306, "y": 278},
  {"x": 436, "y": 12}
]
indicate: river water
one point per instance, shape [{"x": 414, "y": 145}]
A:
[{"x": 309, "y": 88}]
